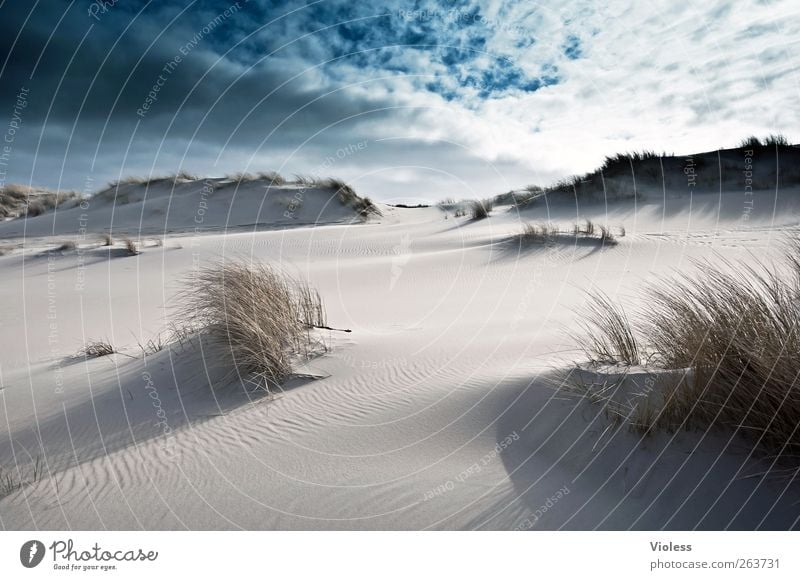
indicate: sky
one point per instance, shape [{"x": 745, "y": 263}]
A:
[{"x": 407, "y": 101}]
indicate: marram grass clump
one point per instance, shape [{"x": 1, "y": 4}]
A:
[
  {"x": 734, "y": 332},
  {"x": 257, "y": 320}
]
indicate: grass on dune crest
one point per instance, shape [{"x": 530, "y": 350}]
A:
[
  {"x": 734, "y": 329},
  {"x": 20, "y": 200},
  {"x": 771, "y": 140},
  {"x": 258, "y": 319},
  {"x": 345, "y": 194},
  {"x": 620, "y": 176},
  {"x": 273, "y": 177}
]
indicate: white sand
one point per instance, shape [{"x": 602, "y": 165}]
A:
[{"x": 437, "y": 411}]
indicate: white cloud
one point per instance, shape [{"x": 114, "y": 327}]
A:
[{"x": 661, "y": 76}]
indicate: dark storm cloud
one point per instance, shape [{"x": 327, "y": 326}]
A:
[{"x": 107, "y": 82}]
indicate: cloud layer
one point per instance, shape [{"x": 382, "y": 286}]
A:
[{"x": 471, "y": 99}]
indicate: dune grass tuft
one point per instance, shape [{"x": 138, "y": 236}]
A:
[
  {"x": 621, "y": 162},
  {"x": 131, "y": 180},
  {"x": 184, "y": 175},
  {"x": 538, "y": 233},
  {"x": 241, "y": 177},
  {"x": 772, "y": 140},
  {"x": 67, "y": 246},
  {"x": 35, "y": 208},
  {"x": 131, "y": 247},
  {"x": 273, "y": 177},
  {"x": 18, "y": 200},
  {"x": 346, "y": 193},
  {"x": 480, "y": 209},
  {"x": 734, "y": 331},
  {"x": 12, "y": 480},
  {"x": 547, "y": 233},
  {"x": 365, "y": 207},
  {"x": 96, "y": 348},
  {"x": 257, "y": 319},
  {"x": 607, "y": 237},
  {"x": 347, "y": 196}
]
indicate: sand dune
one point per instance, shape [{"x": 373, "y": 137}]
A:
[
  {"x": 442, "y": 409},
  {"x": 172, "y": 205}
]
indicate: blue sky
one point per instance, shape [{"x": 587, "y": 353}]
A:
[{"x": 406, "y": 100}]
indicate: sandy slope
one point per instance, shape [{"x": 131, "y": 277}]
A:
[{"x": 439, "y": 410}]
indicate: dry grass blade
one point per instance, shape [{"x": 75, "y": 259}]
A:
[{"x": 609, "y": 335}]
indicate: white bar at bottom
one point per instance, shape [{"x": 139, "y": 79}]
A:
[{"x": 403, "y": 555}]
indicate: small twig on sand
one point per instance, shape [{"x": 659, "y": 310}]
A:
[{"x": 329, "y": 328}]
